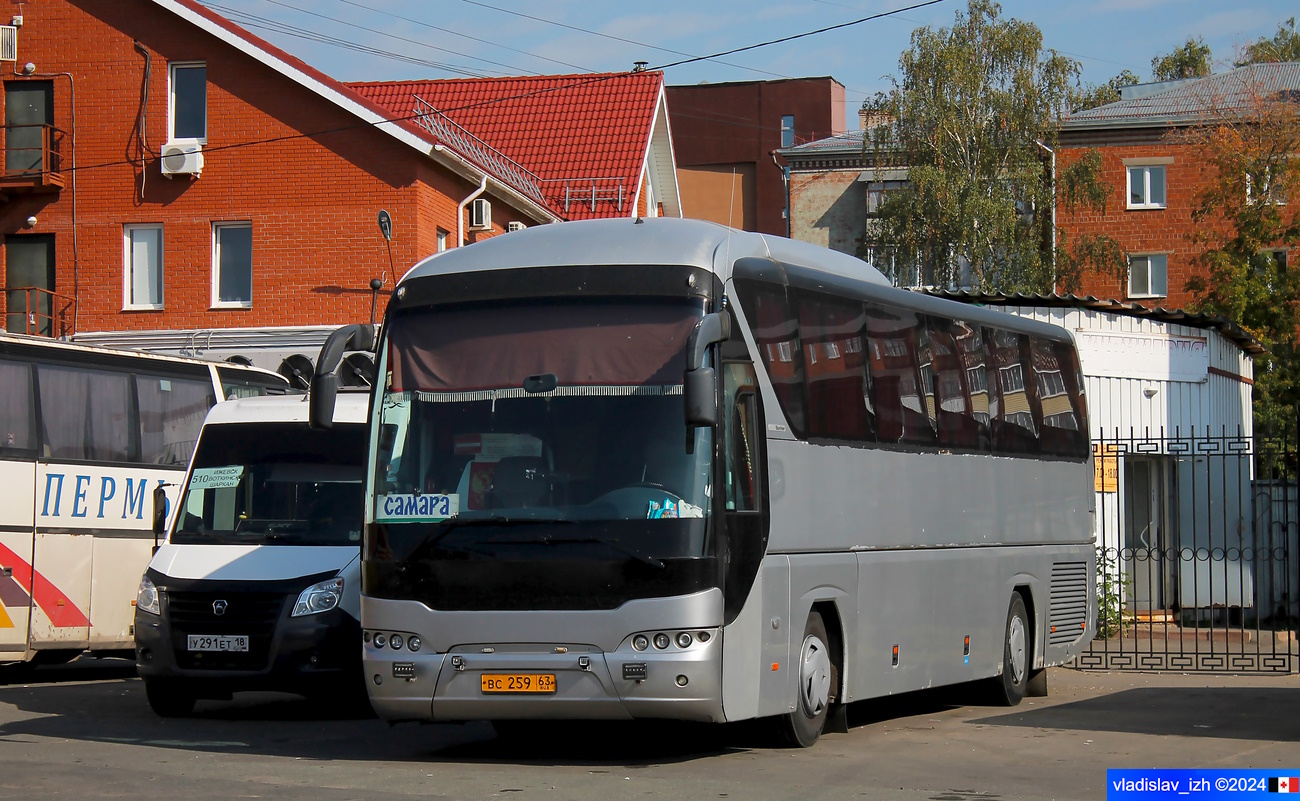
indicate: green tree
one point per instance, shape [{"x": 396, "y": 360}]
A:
[
  {"x": 1192, "y": 60},
  {"x": 974, "y": 114},
  {"x": 1244, "y": 220},
  {"x": 1101, "y": 94},
  {"x": 1284, "y": 46}
]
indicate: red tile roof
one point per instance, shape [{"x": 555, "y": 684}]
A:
[{"x": 574, "y": 132}]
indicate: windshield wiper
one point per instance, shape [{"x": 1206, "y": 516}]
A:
[
  {"x": 644, "y": 559},
  {"x": 453, "y": 523}
]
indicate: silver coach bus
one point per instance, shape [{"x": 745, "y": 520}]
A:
[{"x": 660, "y": 469}]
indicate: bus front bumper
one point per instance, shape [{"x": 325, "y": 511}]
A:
[{"x": 675, "y": 683}]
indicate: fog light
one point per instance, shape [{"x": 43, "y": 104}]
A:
[
  {"x": 380, "y": 639},
  {"x": 378, "y": 679},
  {"x": 682, "y": 681},
  {"x": 413, "y": 643},
  {"x": 640, "y": 642},
  {"x": 365, "y": 637},
  {"x": 702, "y": 636},
  {"x": 683, "y": 639},
  {"x": 662, "y": 641},
  {"x": 396, "y": 642}
]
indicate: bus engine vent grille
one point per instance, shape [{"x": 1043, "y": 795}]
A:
[{"x": 1068, "y": 611}]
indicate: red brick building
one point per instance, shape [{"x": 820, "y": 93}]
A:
[
  {"x": 165, "y": 170},
  {"x": 1152, "y": 178},
  {"x": 724, "y": 136}
]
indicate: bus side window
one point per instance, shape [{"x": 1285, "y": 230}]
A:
[
  {"x": 17, "y": 409},
  {"x": 87, "y": 414},
  {"x": 741, "y": 432},
  {"x": 1014, "y": 423},
  {"x": 1061, "y": 398},
  {"x": 831, "y": 331}
]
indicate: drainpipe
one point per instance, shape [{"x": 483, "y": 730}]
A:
[
  {"x": 460, "y": 211},
  {"x": 1053, "y": 152}
]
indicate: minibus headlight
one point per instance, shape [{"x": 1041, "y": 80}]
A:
[
  {"x": 146, "y": 598},
  {"x": 319, "y": 598}
]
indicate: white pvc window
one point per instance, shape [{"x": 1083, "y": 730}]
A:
[
  {"x": 143, "y": 258},
  {"x": 442, "y": 240},
  {"x": 787, "y": 130},
  {"x": 187, "y": 101},
  {"x": 1146, "y": 187},
  {"x": 232, "y": 265},
  {"x": 1148, "y": 276}
]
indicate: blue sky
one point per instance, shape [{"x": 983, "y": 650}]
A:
[{"x": 481, "y": 38}]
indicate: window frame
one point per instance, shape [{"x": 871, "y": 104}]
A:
[
  {"x": 128, "y": 268},
  {"x": 172, "y": 67},
  {"x": 1146, "y": 204},
  {"x": 787, "y": 129},
  {"x": 217, "y": 302},
  {"x": 1129, "y": 277}
]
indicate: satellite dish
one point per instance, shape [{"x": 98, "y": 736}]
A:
[
  {"x": 297, "y": 369},
  {"x": 357, "y": 370}
]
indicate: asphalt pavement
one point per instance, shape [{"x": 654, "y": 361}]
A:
[{"x": 84, "y": 731}]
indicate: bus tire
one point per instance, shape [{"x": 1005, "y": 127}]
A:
[
  {"x": 1009, "y": 688},
  {"x": 168, "y": 699},
  {"x": 818, "y": 679}
]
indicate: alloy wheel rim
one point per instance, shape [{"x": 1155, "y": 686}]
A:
[
  {"x": 1016, "y": 641},
  {"x": 814, "y": 676}
]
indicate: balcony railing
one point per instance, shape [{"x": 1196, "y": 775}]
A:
[
  {"x": 38, "y": 311},
  {"x": 33, "y": 158}
]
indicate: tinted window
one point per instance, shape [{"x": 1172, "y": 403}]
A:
[
  {"x": 1012, "y": 403},
  {"x": 171, "y": 414},
  {"x": 742, "y": 437},
  {"x": 960, "y": 386},
  {"x": 17, "y": 409},
  {"x": 895, "y": 344},
  {"x": 776, "y": 333},
  {"x": 85, "y": 414},
  {"x": 237, "y": 383},
  {"x": 1060, "y": 395},
  {"x": 831, "y": 332}
]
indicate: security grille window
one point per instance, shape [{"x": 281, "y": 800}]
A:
[
  {"x": 1146, "y": 187},
  {"x": 1148, "y": 276},
  {"x": 232, "y": 265},
  {"x": 189, "y": 102},
  {"x": 144, "y": 266},
  {"x": 787, "y": 130}
]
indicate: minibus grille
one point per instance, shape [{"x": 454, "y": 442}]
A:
[
  {"x": 1068, "y": 612},
  {"x": 253, "y": 614}
]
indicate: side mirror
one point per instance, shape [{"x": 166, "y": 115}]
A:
[
  {"x": 325, "y": 381},
  {"x": 700, "y": 392},
  {"x": 159, "y": 511}
]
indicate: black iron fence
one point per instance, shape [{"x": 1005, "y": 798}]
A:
[{"x": 1197, "y": 553}]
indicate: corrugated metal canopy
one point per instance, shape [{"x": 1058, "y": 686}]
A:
[{"x": 1223, "y": 325}]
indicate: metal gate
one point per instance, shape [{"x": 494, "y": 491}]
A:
[{"x": 1197, "y": 553}]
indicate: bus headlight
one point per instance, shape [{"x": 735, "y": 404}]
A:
[
  {"x": 146, "y": 598},
  {"x": 319, "y": 598}
]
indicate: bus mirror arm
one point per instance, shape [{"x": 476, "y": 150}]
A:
[
  {"x": 325, "y": 381},
  {"x": 700, "y": 384}
]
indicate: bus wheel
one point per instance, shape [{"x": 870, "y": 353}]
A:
[
  {"x": 1010, "y": 686},
  {"x": 168, "y": 699},
  {"x": 818, "y": 679}
]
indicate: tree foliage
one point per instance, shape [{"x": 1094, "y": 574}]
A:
[
  {"x": 1101, "y": 94},
  {"x": 1192, "y": 60},
  {"x": 1245, "y": 212},
  {"x": 1284, "y": 46},
  {"x": 974, "y": 112}
]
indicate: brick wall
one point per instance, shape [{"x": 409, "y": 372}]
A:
[
  {"x": 828, "y": 209},
  {"x": 1141, "y": 231},
  {"x": 312, "y": 199}
]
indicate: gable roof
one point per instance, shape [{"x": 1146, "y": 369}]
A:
[
  {"x": 1187, "y": 102},
  {"x": 578, "y": 135},
  {"x": 400, "y": 127}
]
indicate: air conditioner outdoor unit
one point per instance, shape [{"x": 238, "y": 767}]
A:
[
  {"x": 182, "y": 158},
  {"x": 8, "y": 42},
  {"x": 515, "y": 225},
  {"x": 480, "y": 215}
]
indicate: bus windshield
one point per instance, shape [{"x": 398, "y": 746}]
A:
[
  {"x": 275, "y": 484},
  {"x": 553, "y": 423}
]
